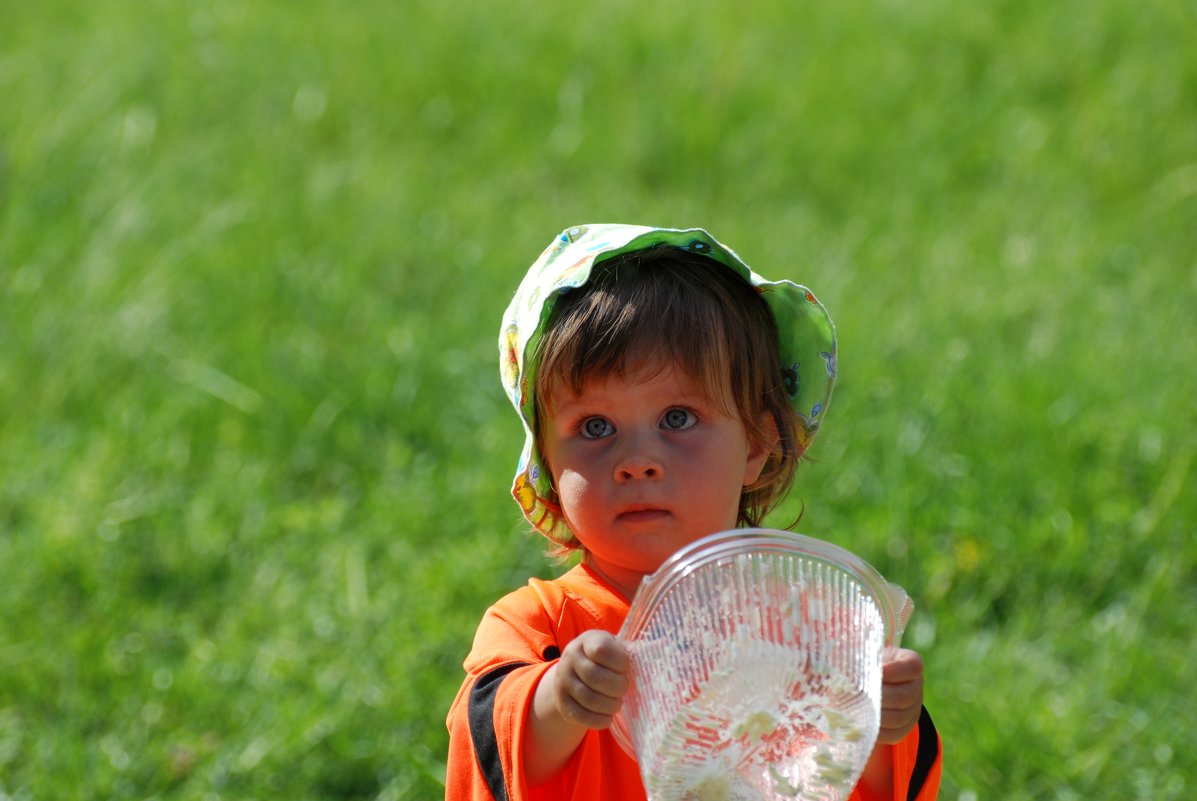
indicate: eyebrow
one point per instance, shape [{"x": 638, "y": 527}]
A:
[{"x": 698, "y": 397}]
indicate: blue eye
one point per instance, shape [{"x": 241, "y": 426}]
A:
[
  {"x": 596, "y": 427},
  {"x": 678, "y": 419}
]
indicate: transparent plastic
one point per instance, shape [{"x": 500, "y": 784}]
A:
[{"x": 756, "y": 669}]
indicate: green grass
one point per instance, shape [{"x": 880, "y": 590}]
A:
[{"x": 254, "y": 455}]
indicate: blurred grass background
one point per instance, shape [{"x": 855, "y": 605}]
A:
[{"x": 254, "y": 456}]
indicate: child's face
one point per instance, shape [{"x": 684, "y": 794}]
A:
[{"x": 644, "y": 464}]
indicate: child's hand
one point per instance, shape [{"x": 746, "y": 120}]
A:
[
  {"x": 901, "y": 694},
  {"x": 591, "y": 679},
  {"x": 582, "y": 691}
]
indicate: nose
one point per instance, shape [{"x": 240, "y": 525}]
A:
[{"x": 638, "y": 462}]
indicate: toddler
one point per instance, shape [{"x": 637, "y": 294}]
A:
[{"x": 667, "y": 392}]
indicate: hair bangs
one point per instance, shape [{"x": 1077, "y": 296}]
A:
[{"x": 613, "y": 331}]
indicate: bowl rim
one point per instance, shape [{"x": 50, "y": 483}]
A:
[{"x": 892, "y": 601}]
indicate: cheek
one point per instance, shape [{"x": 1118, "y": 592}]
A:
[{"x": 574, "y": 489}]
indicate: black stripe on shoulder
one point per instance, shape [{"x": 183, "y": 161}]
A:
[
  {"x": 925, "y": 757},
  {"x": 482, "y": 728}
]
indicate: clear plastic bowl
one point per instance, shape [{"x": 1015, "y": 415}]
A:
[{"x": 756, "y": 668}]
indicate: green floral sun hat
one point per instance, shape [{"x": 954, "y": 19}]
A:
[{"x": 805, "y": 331}]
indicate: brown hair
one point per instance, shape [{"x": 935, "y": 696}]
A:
[{"x": 667, "y": 306}]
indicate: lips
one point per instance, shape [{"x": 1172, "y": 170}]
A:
[{"x": 642, "y": 514}]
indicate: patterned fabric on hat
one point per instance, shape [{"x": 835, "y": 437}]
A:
[{"x": 806, "y": 340}]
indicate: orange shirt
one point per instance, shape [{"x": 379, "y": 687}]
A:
[{"x": 517, "y": 641}]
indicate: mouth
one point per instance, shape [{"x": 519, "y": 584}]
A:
[{"x": 642, "y": 514}]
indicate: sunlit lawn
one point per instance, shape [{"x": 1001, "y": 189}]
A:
[{"x": 254, "y": 455}]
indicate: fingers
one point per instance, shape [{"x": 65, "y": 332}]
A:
[
  {"x": 592, "y": 679},
  {"x": 901, "y": 695},
  {"x": 902, "y": 665},
  {"x": 604, "y": 649}
]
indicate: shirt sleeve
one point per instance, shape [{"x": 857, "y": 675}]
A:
[
  {"x": 918, "y": 763},
  {"x": 922, "y": 751},
  {"x": 513, "y": 647}
]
